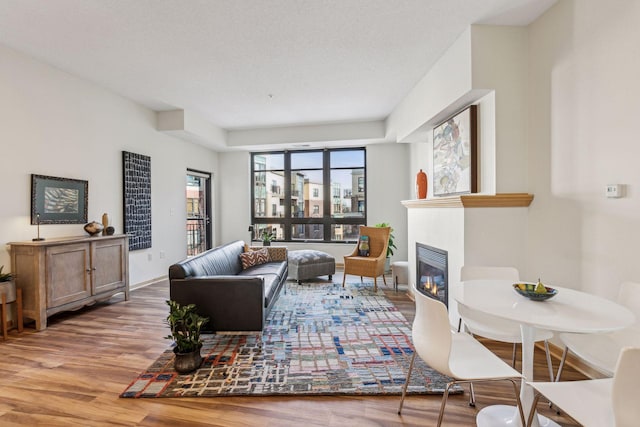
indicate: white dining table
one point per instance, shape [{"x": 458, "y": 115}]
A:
[{"x": 569, "y": 311}]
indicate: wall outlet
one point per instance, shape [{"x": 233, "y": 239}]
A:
[
  {"x": 162, "y": 254},
  {"x": 149, "y": 256},
  {"x": 614, "y": 191}
]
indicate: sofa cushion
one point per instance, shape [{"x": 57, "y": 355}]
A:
[
  {"x": 252, "y": 258},
  {"x": 272, "y": 272}
]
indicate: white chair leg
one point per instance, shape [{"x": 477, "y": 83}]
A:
[
  {"x": 406, "y": 383},
  {"x": 444, "y": 403},
  {"x": 533, "y": 410},
  {"x": 564, "y": 358},
  {"x": 549, "y": 364},
  {"x": 472, "y": 396},
  {"x": 518, "y": 401}
]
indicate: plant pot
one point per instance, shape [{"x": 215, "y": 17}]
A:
[
  {"x": 266, "y": 243},
  {"x": 187, "y": 362}
]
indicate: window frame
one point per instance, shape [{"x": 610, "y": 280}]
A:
[{"x": 326, "y": 220}]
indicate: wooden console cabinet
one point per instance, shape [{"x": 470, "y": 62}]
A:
[{"x": 68, "y": 273}]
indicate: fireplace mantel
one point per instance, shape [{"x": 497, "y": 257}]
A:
[{"x": 503, "y": 200}]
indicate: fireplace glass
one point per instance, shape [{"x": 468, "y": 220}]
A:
[{"x": 432, "y": 272}]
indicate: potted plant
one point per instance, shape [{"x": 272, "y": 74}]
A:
[
  {"x": 267, "y": 237},
  {"x": 4, "y": 277},
  {"x": 185, "y": 325},
  {"x": 390, "y": 247}
]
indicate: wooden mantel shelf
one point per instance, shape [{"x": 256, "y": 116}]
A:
[{"x": 503, "y": 200}]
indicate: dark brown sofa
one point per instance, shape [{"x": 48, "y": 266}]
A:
[{"x": 234, "y": 299}]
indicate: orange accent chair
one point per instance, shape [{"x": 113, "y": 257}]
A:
[{"x": 372, "y": 265}]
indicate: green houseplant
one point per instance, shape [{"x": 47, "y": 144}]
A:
[
  {"x": 4, "y": 277},
  {"x": 185, "y": 325},
  {"x": 392, "y": 244},
  {"x": 390, "y": 247},
  {"x": 267, "y": 237}
]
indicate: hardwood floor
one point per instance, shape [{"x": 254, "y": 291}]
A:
[{"x": 72, "y": 373}]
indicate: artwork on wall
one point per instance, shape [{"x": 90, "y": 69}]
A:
[
  {"x": 455, "y": 154},
  {"x": 137, "y": 199},
  {"x": 58, "y": 200}
]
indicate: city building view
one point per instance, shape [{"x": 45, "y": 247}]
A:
[{"x": 307, "y": 195}]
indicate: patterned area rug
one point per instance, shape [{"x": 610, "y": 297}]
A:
[{"x": 320, "y": 339}]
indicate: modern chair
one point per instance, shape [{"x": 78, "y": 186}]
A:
[
  {"x": 601, "y": 351},
  {"x": 455, "y": 354},
  {"x": 372, "y": 265},
  {"x": 600, "y": 402},
  {"x": 492, "y": 327}
]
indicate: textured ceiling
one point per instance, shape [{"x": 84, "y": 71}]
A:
[{"x": 244, "y": 64}]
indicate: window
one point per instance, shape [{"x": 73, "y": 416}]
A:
[{"x": 315, "y": 195}]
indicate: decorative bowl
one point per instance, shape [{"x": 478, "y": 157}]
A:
[
  {"x": 528, "y": 290},
  {"x": 93, "y": 228}
]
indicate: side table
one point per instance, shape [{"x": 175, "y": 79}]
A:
[
  {"x": 400, "y": 273},
  {"x": 10, "y": 295}
]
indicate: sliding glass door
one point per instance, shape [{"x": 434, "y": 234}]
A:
[{"x": 199, "y": 224}]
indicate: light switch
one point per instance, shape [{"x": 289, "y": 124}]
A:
[{"x": 614, "y": 191}]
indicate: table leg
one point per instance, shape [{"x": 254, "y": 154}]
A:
[{"x": 526, "y": 391}]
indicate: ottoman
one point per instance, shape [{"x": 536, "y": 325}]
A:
[{"x": 307, "y": 263}]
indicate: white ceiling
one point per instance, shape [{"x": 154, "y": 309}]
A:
[{"x": 244, "y": 64}]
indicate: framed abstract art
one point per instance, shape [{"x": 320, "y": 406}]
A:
[{"x": 455, "y": 154}]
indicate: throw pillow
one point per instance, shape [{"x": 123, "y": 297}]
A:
[
  {"x": 252, "y": 258},
  {"x": 363, "y": 246}
]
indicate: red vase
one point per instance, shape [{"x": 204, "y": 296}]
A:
[{"x": 421, "y": 185}]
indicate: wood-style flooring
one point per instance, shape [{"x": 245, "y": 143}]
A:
[{"x": 72, "y": 373}]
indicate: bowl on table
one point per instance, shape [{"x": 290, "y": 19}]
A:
[{"x": 529, "y": 290}]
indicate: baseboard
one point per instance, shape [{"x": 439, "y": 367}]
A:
[{"x": 147, "y": 283}]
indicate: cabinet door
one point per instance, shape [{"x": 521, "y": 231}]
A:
[
  {"x": 108, "y": 269},
  {"x": 67, "y": 274}
]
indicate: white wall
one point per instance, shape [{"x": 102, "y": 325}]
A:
[
  {"x": 387, "y": 182},
  {"x": 56, "y": 124},
  {"x": 583, "y": 111},
  {"x": 486, "y": 66},
  {"x": 445, "y": 83},
  {"x": 565, "y": 106},
  {"x": 499, "y": 64}
]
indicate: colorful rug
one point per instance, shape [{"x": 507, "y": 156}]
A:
[{"x": 320, "y": 339}]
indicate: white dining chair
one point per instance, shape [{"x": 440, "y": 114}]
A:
[
  {"x": 487, "y": 326},
  {"x": 600, "y": 402},
  {"x": 601, "y": 351},
  {"x": 455, "y": 354}
]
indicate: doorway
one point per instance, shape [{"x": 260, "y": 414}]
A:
[{"x": 199, "y": 224}]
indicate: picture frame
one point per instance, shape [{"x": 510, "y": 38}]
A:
[
  {"x": 455, "y": 153},
  {"x": 57, "y": 200}
]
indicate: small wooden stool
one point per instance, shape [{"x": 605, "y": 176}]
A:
[{"x": 9, "y": 295}]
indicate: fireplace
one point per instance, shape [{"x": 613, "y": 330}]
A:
[{"x": 432, "y": 277}]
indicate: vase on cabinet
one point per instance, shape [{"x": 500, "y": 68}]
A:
[{"x": 105, "y": 223}]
